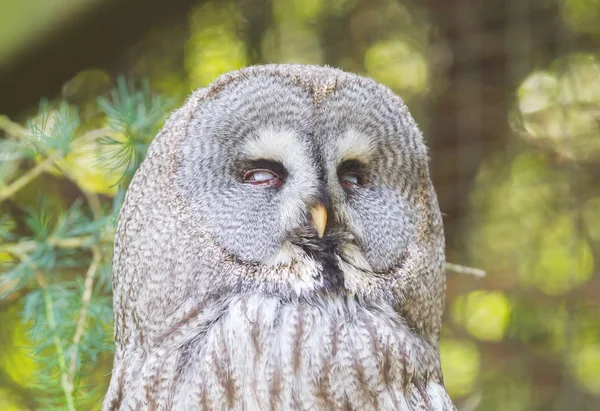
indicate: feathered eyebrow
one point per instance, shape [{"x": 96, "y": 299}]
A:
[
  {"x": 354, "y": 145},
  {"x": 351, "y": 165},
  {"x": 282, "y": 146}
]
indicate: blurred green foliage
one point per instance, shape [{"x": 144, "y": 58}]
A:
[
  {"x": 527, "y": 336},
  {"x": 23, "y": 21}
]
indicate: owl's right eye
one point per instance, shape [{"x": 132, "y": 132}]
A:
[
  {"x": 263, "y": 172},
  {"x": 261, "y": 176}
]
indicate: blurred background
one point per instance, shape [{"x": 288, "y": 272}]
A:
[{"x": 507, "y": 93}]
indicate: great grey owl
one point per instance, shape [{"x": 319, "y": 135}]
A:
[{"x": 281, "y": 248}]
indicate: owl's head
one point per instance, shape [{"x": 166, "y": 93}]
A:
[{"x": 301, "y": 182}]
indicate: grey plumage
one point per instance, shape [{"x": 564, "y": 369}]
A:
[{"x": 225, "y": 297}]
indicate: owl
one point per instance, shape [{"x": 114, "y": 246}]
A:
[{"x": 281, "y": 248}]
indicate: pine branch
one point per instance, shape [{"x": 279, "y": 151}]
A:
[
  {"x": 68, "y": 316},
  {"x": 85, "y": 303},
  {"x": 60, "y": 352},
  {"x": 47, "y": 164}
]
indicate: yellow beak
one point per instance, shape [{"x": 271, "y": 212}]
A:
[{"x": 318, "y": 214}]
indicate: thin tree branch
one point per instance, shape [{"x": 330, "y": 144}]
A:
[
  {"x": 44, "y": 166},
  {"x": 461, "y": 269},
  {"x": 25, "y": 247},
  {"x": 22, "y": 181},
  {"x": 12, "y": 129},
  {"x": 85, "y": 303}
]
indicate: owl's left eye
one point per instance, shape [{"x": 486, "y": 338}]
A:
[
  {"x": 351, "y": 179},
  {"x": 351, "y": 174},
  {"x": 262, "y": 176}
]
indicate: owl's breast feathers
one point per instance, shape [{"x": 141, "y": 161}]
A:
[{"x": 259, "y": 353}]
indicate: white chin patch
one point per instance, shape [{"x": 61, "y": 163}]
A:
[
  {"x": 355, "y": 267},
  {"x": 303, "y": 273}
]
